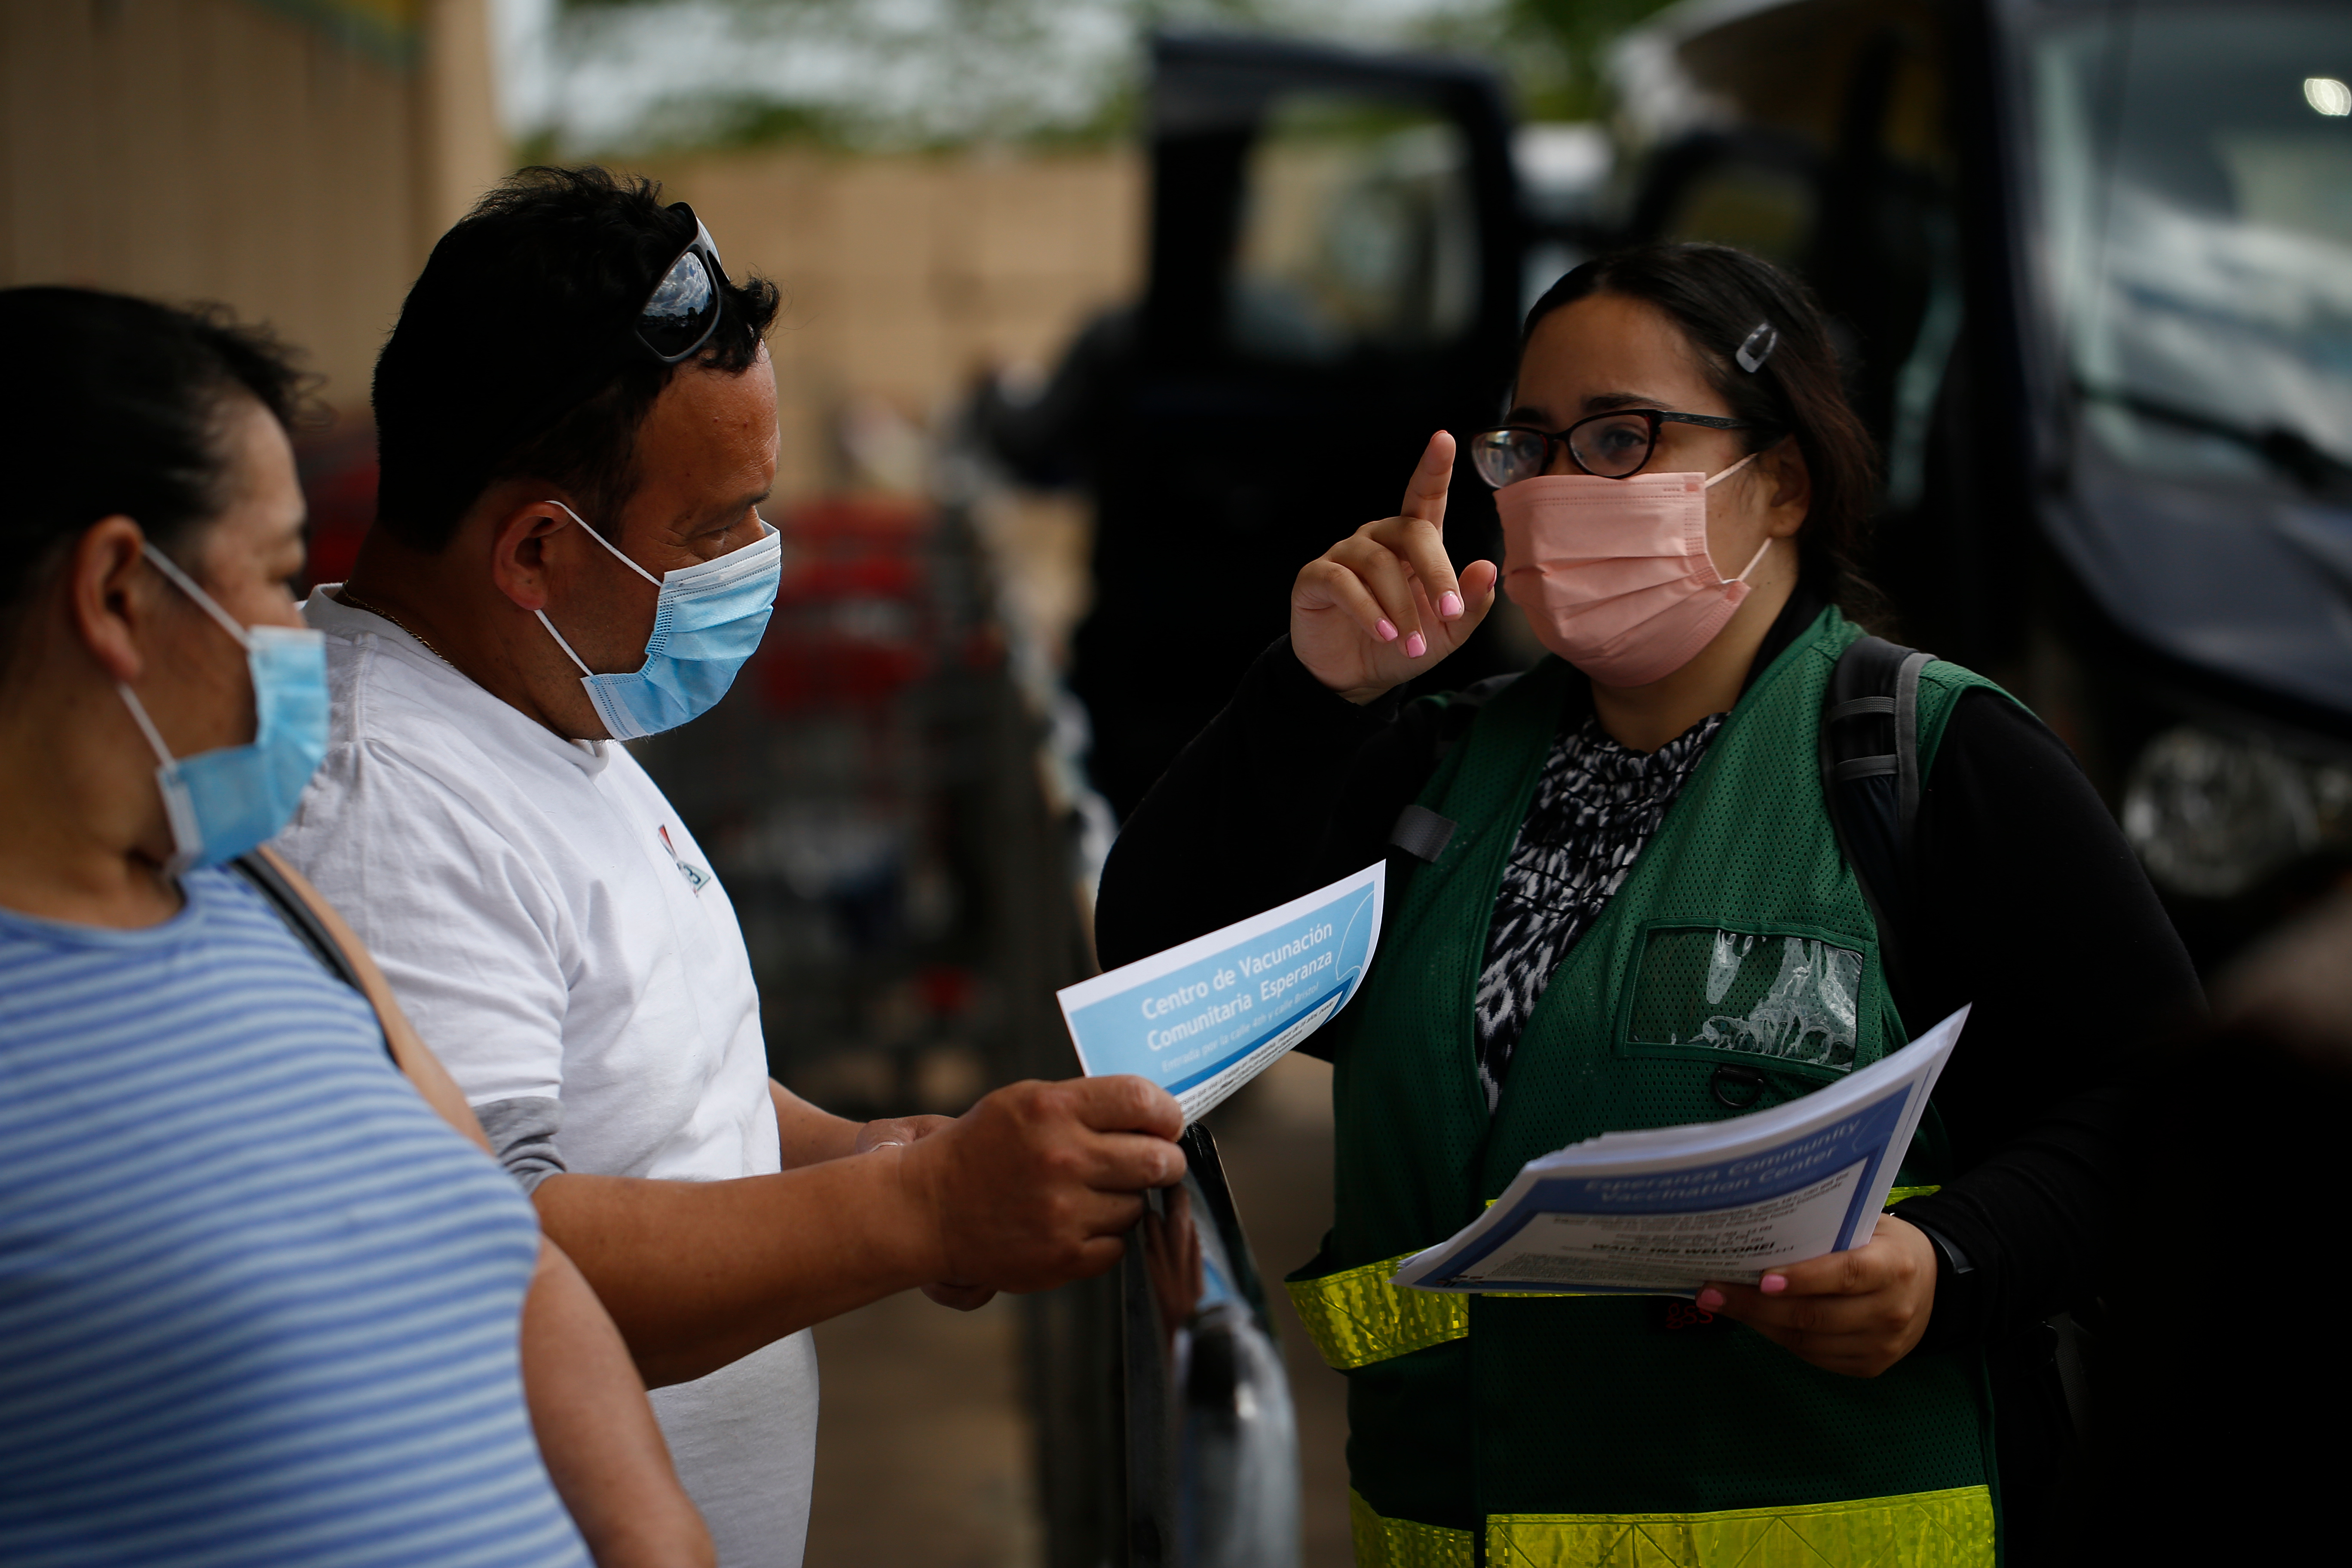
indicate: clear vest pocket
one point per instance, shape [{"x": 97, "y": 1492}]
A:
[{"x": 1788, "y": 999}]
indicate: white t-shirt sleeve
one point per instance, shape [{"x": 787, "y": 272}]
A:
[{"x": 468, "y": 931}]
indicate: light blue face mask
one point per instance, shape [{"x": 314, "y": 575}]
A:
[
  {"x": 709, "y": 619},
  {"x": 225, "y": 802}
]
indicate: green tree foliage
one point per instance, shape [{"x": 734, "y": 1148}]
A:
[
  {"x": 1558, "y": 51},
  {"x": 857, "y": 75},
  {"x": 942, "y": 73}
]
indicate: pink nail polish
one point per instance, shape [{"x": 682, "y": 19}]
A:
[
  {"x": 1386, "y": 629},
  {"x": 1774, "y": 1284},
  {"x": 1415, "y": 645},
  {"x": 1449, "y": 603},
  {"x": 1710, "y": 1300}
]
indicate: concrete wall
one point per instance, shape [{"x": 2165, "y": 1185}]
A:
[
  {"x": 904, "y": 277},
  {"x": 296, "y": 160},
  {"x": 293, "y": 160}
]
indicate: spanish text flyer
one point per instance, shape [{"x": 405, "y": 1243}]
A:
[{"x": 1206, "y": 1016}]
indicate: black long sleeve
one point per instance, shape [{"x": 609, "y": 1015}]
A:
[
  {"x": 1290, "y": 780},
  {"x": 2028, "y": 904}
]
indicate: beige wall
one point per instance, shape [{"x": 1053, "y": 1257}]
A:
[
  {"x": 254, "y": 154},
  {"x": 227, "y": 150},
  {"x": 905, "y": 276}
]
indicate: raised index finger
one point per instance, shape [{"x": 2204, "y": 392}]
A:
[
  {"x": 1423, "y": 548},
  {"x": 1424, "y": 493}
]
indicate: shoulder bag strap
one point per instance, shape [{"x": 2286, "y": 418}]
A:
[
  {"x": 301, "y": 919},
  {"x": 317, "y": 926}
]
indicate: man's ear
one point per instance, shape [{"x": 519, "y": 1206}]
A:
[
  {"x": 518, "y": 551},
  {"x": 111, "y": 597},
  {"x": 1792, "y": 487}
]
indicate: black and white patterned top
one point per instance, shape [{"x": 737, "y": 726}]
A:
[{"x": 1595, "y": 806}]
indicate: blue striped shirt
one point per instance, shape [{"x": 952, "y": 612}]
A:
[{"x": 258, "y": 1304}]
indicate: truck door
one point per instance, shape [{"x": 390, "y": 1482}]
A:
[
  {"x": 1334, "y": 274},
  {"x": 2092, "y": 267}
]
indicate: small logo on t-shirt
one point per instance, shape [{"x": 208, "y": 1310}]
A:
[{"x": 696, "y": 876}]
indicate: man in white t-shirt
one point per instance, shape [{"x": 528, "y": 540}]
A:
[{"x": 576, "y": 420}]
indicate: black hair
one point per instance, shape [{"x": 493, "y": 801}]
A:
[
  {"x": 113, "y": 405},
  {"x": 1718, "y": 296},
  {"x": 514, "y": 353}
]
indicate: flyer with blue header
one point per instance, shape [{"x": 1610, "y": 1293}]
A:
[
  {"x": 1206, "y": 1016},
  {"x": 1666, "y": 1210}
]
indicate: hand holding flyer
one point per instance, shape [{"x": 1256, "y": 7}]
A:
[
  {"x": 1207, "y": 1016},
  {"x": 1662, "y": 1212}
]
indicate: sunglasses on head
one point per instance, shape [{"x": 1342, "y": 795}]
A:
[{"x": 680, "y": 314}]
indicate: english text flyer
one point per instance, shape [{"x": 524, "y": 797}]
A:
[{"x": 1664, "y": 1210}]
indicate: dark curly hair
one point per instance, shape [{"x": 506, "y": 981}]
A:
[
  {"x": 1717, "y": 295},
  {"x": 112, "y": 405},
  {"x": 515, "y": 354}
]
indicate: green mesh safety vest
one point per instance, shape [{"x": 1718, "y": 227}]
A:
[{"x": 1556, "y": 1431}]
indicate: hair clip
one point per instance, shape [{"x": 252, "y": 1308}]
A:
[{"x": 1758, "y": 346}]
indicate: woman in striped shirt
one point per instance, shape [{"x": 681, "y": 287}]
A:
[{"x": 259, "y": 1302}]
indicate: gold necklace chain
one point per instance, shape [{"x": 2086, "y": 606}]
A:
[{"x": 345, "y": 594}]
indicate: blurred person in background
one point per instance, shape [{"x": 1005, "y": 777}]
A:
[
  {"x": 2220, "y": 1427},
  {"x": 576, "y": 419},
  {"x": 259, "y": 1302},
  {"x": 1643, "y": 851}
]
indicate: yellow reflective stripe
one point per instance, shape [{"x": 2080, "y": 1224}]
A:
[
  {"x": 1401, "y": 1543},
  {"x": 1356, "y": 1317},
  {"x": 1950, "y": 1529}
]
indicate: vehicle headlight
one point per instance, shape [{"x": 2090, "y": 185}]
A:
[{"x": 2212, "y": 814}]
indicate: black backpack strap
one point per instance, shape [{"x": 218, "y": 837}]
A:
[
  {"x": 289, "y": 907},
  {"x": 1464, "y": 707},
  {"x": 1419, "y": 831},
  {"x": 1870, "y": 779},
  {"x": 1422, "y": 833}
]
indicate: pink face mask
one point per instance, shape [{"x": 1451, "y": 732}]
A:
[{"x": 1615, "y": 574}]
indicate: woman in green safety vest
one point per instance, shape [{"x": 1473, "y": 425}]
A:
[{"x": 1683, "y": 492}]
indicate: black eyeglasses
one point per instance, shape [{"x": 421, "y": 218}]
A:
[
  {"x": 680, "y": 314},
  {"x": 1612, "y": 446}
]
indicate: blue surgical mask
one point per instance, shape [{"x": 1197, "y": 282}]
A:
[
  {"x": 225, "y": 802},
  {"x": 708, "y": 621}
]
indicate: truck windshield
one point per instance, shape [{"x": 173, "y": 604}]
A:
[{"x": 2196, "y": 173}]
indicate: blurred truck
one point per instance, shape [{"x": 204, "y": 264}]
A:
[
  {"x": 2092, "y": 265},
  {"x": 2097, "y": 264}
]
